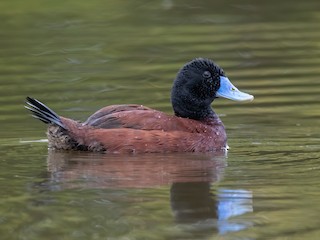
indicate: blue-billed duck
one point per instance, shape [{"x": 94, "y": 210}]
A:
[{"x": 194, "y": 126}]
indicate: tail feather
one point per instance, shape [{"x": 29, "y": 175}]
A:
[{"x": 42, "y": 112}]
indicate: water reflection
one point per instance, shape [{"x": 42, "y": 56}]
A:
[
  {"x": 196, "y": 204},
  {"x": 92, "y": 170},
  {"x": 233, "y": 203}
]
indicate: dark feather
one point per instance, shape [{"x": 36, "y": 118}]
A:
[{"x": 42, "y": 112}]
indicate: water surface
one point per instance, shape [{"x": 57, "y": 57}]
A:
[{"x": 78, "y": 56}]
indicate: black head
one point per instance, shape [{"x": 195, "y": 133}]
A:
[{"x": 195, "y": 88}]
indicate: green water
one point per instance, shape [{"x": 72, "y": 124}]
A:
[{"x": 78, "y": 56}]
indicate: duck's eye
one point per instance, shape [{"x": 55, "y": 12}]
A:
[{"x": 206, "y": 74}]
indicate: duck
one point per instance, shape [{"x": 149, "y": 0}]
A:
[{"x": 134, "y": 128}]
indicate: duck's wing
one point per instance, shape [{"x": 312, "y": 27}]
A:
[
  {"x": 136, "y": 117},
  {"x": 107, "y": 117},
  {"x": 95, "y": 118}
]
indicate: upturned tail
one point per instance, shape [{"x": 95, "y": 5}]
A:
[{"x": 42, "y": 112}]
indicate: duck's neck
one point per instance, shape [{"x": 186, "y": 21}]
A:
[{"x": 187, "y": 108}]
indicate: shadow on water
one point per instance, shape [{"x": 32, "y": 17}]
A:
[{"x": 198, "y": 206}]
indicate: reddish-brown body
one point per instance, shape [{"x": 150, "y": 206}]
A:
[{"x": 135, "y": 128}]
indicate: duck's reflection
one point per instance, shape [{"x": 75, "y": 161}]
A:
[
  {"x": 193, "y": 199},
  {"x": 196, "y": 203},
  {"x": 90, "y": 170},
  {"x": 231, "y": 203}
]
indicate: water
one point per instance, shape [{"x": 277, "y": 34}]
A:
[{"x": 78, "y": 56}]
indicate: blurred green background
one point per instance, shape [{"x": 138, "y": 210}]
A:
[{"x": 78, "y": 56}]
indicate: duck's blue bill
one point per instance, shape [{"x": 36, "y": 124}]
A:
[{"x": 228, "y": 90}]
